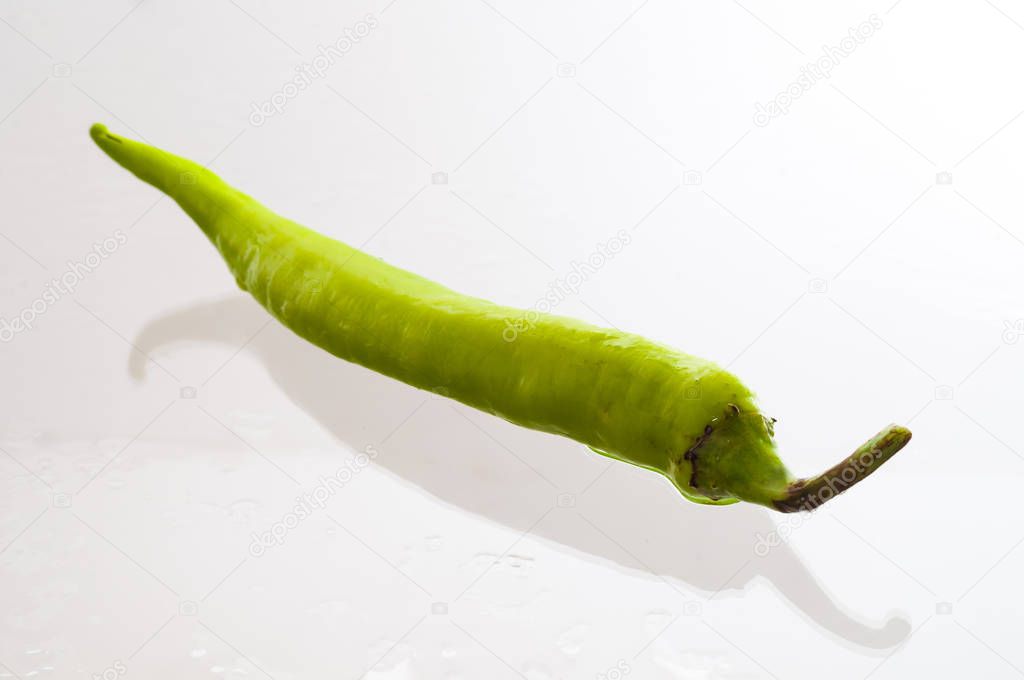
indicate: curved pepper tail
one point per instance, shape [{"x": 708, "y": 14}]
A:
[
  {"x": 165, "y": 171},
  {"x": 812, "y": 492},
  {"x": 199, "y": 192}
]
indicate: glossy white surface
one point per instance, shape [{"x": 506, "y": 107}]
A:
[{"x": 856, "y": 260}]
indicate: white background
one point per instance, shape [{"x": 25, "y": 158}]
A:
[{"x": 820, "y": 257}]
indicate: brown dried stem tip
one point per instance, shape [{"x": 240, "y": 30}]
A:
[{"x": 811, "y": 492}]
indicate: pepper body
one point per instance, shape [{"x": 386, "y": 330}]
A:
[{"x": 623, "y": 395}]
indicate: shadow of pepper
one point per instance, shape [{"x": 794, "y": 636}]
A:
[{"x": 670, "y": 536}]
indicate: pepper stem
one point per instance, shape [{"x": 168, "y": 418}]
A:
[{"x": 812, "y": 492}]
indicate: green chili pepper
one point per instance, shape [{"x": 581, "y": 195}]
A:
[{"x": 622, "y": 395}]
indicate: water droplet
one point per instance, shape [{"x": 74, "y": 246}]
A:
[{"x": 518, "y": 561}]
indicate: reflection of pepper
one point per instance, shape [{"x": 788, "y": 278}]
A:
[{"x": 624, "y": 396}]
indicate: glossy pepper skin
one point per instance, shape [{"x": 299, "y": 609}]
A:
[{"x": 624, "y": 396}]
